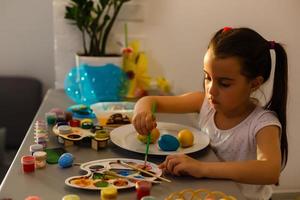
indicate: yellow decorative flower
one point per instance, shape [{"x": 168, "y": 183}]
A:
[
  {"x": 163, "y": 84},
  {"x": 135, "y": 65}
]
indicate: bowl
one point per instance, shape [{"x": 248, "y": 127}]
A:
[{"x": 104, "y": 110}]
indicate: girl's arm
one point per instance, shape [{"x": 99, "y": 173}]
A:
[
  {"x": 188, "y": 102},
  {"x": 264, "y": 170},
  {"x": 143, "y": 120}
]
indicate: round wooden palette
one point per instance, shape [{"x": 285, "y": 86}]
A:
[{"x": 110, "y": 172}]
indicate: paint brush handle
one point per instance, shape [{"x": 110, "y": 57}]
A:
[
  {"x": 144, "y": 171},
  {"x": 129, "y": 178},
  {"x": 153, "y": 110},
  {"x": 147, "y": 148}
]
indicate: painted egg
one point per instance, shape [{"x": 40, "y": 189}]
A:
[
  {"x": 185, "y": 138},
  {"x": 65, "y": 160},
  {"x": 154, "y": 135},
  {"x": 168, "y": 143}
]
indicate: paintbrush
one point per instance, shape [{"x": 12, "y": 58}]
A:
[
  {"x": 112, "y": 173},
  {"x": 153, "y": 110},
  {"x": 144, "y": 171}
]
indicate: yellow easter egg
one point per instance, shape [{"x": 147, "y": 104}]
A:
[
  {"x": 154, "y": 136},
  {"x": 142, "y": 138},
  {"x": 185, "y": 138}
]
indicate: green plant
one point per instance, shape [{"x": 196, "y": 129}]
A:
[{"x": 94, "y": 18}]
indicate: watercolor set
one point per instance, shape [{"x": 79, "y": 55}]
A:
[
  {"x": 120, "y": 173},
  {"x": 99, "y": 135},
  {"x": 75, "y": 134}
]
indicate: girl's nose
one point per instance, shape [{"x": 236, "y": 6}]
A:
[{"x": 212, "y": 89}]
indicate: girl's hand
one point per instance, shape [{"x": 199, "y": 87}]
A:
[
  {"x": 143, "y": 121},
  {"x": 181, "y": 164}
]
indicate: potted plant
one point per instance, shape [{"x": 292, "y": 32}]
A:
[{"x": 95, "y": 19}]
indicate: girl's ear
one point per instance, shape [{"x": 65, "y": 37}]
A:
[{"x": 256, "y": 83}]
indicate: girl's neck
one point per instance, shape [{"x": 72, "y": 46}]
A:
[{"x": 234, "y": 117}]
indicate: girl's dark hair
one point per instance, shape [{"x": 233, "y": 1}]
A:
[{"x": 253, "y": 51}]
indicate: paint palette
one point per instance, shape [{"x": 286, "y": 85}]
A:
[
  {"x": 109, "y": 172},
  {"x": 74, "y": 134}
]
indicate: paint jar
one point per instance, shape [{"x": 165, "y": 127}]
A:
[
  {"x": 28, "y": 163},
  {"x": 64, "y": 129},
  {"x": 102, "y": 143},
  {"x": 71, "y": 197},
  {"x": 102, "y": 138},
  {"x": 62, "y": 123},
  {"x": 41, "y": 133},
  {"x": 32, "y": 198},
  {"x": 36, "y": 147},
  {"x": 40, "y": 159},
  {"x": 68, "y": 116},
  {"x": 40, "y": 124},
  {"x": 41, "y": 141},
  {"x": 74, "y": 123},
  {"x": 51, "y": 118},
  {"x": 142, "y": 189},
  {"x": 109, "y": 193}
]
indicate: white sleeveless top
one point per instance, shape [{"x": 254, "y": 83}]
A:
[{"x": 238, "y": 143}]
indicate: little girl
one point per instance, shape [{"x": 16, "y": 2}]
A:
[{"x": 248, "y": 138}]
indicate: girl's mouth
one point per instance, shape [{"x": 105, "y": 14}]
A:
[{"x": 213, "y": 101}]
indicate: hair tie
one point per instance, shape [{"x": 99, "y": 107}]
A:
[
  {"x": 272, "y": 44},
  {"x": 226, "y": 28}
]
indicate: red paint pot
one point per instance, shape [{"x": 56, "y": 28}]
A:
[
  {"x": 142, "y": 189},
  {"x": 74, "y": 123},
  {"x": 28, "y": 163},
  {"x": 33, "y": 198}
]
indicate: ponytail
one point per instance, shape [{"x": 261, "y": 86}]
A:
[{"x": 278, "y": 99}]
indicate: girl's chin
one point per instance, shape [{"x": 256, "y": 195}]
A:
[{"x": 213, "y": 104}]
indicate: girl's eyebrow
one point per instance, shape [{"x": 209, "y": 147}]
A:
[
  {"x": 225, "y": 79},
  {"x": 221, "y": 78}
]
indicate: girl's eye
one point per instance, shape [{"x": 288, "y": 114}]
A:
[{"x": 224, "y": 85}]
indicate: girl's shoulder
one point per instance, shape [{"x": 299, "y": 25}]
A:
[
  {"x": 261, "y": 118},
  {"x": 261, "y": 113}
]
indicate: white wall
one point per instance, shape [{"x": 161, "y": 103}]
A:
[
  {"x": 175, "y": 35},
  {"x": 26, "y": 39}
]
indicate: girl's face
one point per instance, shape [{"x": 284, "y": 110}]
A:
[{"x": 226, "y": 88}]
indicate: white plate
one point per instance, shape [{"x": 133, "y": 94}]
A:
[{"x": 126, "y": 137}]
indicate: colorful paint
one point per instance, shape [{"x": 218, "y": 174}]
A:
[
  {"x": 77, "y": 133},
  {"x": 142, "y": 189},
  {"x": 109, "y": 173},
  {"x": 28, "y": 163},
  {"x": 73, "y": 136}
]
